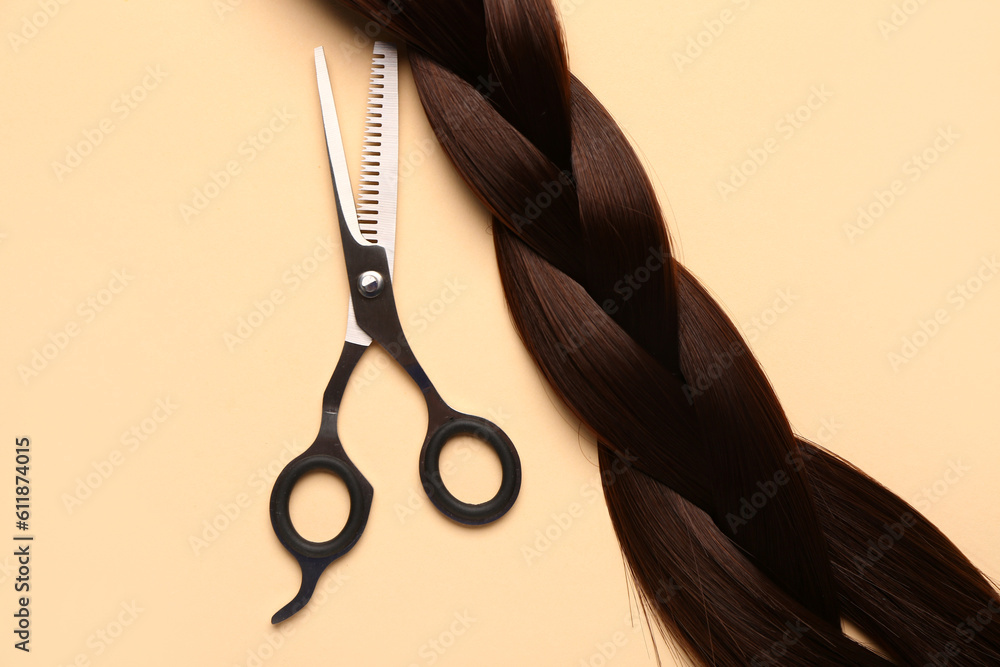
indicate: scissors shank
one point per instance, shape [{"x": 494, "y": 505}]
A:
[
  {"x": 377, "y": 316},
  {"x": 334, "y": 394}
]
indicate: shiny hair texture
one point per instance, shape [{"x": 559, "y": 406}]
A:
[{"x": 677, "y": 459}]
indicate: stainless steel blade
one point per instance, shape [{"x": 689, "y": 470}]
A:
[
  {"x": 380, "y": 155},
  {"x": 341, "y": 181},
  {"x": 335, "y": 146}
]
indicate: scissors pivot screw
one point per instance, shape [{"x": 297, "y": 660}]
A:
[{"x": 370, "y": 284}]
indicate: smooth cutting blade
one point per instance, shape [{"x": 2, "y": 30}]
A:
[
  {"x": 341, "y": 182},
  {"x": 335, "y": 146},
  {"x": 380, "y": 155}
]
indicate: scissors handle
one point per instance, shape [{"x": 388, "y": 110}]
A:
[
  {"x": 376, "y": 313},
  {"x": 445, "y": 423},
  {"x": 325, "y": 454}
]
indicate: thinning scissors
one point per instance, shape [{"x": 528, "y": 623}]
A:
[{"x": 368, "y": 239}]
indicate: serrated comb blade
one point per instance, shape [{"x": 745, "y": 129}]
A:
[{"x": 380, "y": 155}]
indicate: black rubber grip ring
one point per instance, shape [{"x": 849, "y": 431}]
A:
[
  {"x": 448, "y": 504},
  {"x": 281, "y": 518}
]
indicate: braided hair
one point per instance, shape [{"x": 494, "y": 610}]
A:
[{"x": 573, "y": 212}]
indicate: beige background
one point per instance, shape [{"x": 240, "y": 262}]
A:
[{"x": 237, "y": 413}]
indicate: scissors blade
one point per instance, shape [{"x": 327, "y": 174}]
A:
[
  {"x": 335, "y": 146},
  {"x": 380, "y": 155},
  {"x": 341, "y": 181}
]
